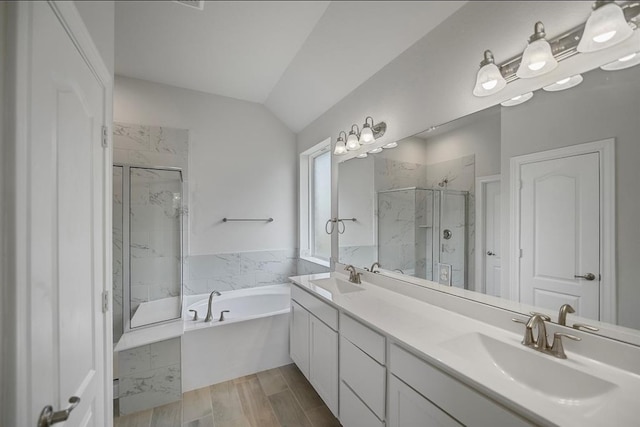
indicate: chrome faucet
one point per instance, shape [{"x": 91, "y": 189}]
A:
[
  {"x": 354, "y": 277},
  {"x": 540, "y": 343},
  {"x": 209, "y": 317}
]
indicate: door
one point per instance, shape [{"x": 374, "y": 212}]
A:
[
  {"x": 560, "y": 233},
  {"x": 299, "y": 337},
  {"x": 408, "y": 408},
  {"x": 491, "y": 252},
  {"x": 323, "y": 362},
  {"x": 63, "y": 225}
]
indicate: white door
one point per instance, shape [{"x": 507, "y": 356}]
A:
[
  {"x": 64, "y": 223},
  {"x": 491, "y": 250},
  {"x": 560, "y": 233}
]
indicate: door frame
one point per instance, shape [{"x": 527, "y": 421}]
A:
[
  {"x": 481, "y": 182},
  {"x": 16, "y": 135},
  {"x": 606, "y": 149}
]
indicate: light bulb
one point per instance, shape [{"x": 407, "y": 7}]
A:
[
  {"x": 627, "y": 58},
  {"x": 516, "y": 100},
  {"x": 366, "y": 136},
  {"x": 390, "y": 145},
  {"x": 352, "y": 141},
  {"x": 605, "y": 27},
  {"x": 626, "y": 61},
  {"x": 375, "y": 150},
  {"x": 489, "y": 79},
  {"x": 535, "y": 66},
  {"x": 361, "y": 156},
  {"x": 537, "y": 58},
  {"x": 565, "y": 83}
]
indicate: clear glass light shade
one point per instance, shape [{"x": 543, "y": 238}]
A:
[
  {"x": 517, "y": 100},
  {"x": 605, "y": 27},
  {"x": 340, "y": 147},
  {"x": 352, "y": 142},
  {"x": 366, "y": 136},
  {"x": 565, "y": 83},
  {"x": 390, "y": 145},
  {"x": 375, "y": 150},
  {"x": 626, "y": 61},
  {"x": 537, "y": 59},
  {"x": 489, "y": 81}
]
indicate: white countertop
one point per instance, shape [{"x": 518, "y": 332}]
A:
[{"x": 422, "y": 327}]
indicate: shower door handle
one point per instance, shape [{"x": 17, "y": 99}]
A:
[{"x": 588, "y": 276}]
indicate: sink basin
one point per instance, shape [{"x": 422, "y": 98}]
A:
[
  {"x": 332, "y": 284},
  {"x": 528, "y": 368}
]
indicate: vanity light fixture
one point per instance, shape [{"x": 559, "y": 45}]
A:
[
  {"x": 537, "y": 58},
  {"x": 352, "y": 139},
  {"x": 627, "y": 61},
  {"x": 565, "y": 83},
  {"x": 375, "y": 150},
  {"x": 517, "y": 100},
  {"x": 390, "y": 145},
  {"x": 366, "y": 136},
  {"x": 341, "y": 148},
  {"x": 605, "y": 27},
  {"x": 489, "y": 79}
]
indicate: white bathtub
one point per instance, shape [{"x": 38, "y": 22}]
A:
[{"x": 253, "y": 337}]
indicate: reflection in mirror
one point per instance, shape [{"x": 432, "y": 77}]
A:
[{"x": 535, "y": 203}]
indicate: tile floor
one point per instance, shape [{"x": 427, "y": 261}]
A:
[{"x": 280, "y": 397}]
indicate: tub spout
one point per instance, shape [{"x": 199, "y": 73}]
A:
[{"x": 209, "y": 317}]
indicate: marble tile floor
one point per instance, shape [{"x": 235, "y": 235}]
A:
[{"x": 280, "y": 397}]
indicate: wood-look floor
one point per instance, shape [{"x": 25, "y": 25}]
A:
[{"x": 280, "y": 397}]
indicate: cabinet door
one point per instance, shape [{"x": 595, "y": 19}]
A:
[
  {"x": 323, "y": 362},
  {"x": 408, "y": 408},
  {"x": 299, "y": 337}
]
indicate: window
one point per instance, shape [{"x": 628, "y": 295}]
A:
[{"x": 315, "y": 203}]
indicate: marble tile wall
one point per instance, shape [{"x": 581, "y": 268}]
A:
[
  {"x": 225, "y": 272},
  {"x": 117, "y": 253},
  {"x": 149, "y": 376}
]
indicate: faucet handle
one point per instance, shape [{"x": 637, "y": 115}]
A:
[
  {"x": 579, "y": 326},
  {"x": 557, "y": 349},
  {"x": 195, "y": 314},
  {"x": 544, "y": 316},
  {"x": 528, "y": 332},
  {"x": 221, "y": 319},
  {"x": 516, "y": 320}
]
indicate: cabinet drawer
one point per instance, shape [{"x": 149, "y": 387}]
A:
[
  {"x": 461, "y": 402},
  {"x": 366, "y": 339},
  {"x": 317, "y": 307},
  {"x": 364, "y": 376},
  {"x": 354, "y": 413}
]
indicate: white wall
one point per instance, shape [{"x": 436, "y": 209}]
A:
[
  {"x": 99, "y": 17},
  {"x": 242, "y": 164}
]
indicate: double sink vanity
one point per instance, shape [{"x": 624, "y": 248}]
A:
[{"x": 383, "y": 352}]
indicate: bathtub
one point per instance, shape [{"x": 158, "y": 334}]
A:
[{"x": 253, "y": 337}]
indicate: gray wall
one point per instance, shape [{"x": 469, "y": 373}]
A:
[{"x": 99, "y": 17}]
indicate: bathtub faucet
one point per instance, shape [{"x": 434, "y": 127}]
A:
[{"x": 209, "y": 317}]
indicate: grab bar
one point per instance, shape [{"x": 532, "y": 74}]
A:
[{"x": 247, "y": 219}]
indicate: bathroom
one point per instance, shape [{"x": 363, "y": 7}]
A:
[{"x": 225, "y": 216}]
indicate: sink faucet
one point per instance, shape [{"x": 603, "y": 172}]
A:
[
  {"x": 209, "y": 317},
  {"x": 354, "y": 277},
  {"x": 540, "y": 343},
  {"x": 373, "y": 266},
  {"x": 562, "y": 315}
]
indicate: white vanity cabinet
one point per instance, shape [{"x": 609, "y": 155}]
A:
[
  {"x": 418, "y": 389},
  {"x": 362, "y": 375},
  {"x": 314, "y": 344}
]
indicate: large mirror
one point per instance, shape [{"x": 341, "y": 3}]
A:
[{"x": 535, "y": 204}]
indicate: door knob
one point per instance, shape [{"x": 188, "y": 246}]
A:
[
  {"x": 588, "y": 276},
  {"x": 48, "y": 417},
  {"x": 490, "y": 253}
]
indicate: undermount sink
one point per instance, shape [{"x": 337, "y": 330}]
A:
[
  {"x": 332, "y": 283},
  {"x": 528, "y": 368}
]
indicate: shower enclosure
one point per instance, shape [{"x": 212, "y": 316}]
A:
[
  {"x": 147, "y": 246},
  {"x": 423, "y": 232}
]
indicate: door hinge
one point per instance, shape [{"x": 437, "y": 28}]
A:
[
  {"x": 105, "y": 137},
  {"x": 105, "y": 301}
]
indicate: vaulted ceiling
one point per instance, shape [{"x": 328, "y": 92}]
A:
[{"x": 298, "y": 58}]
